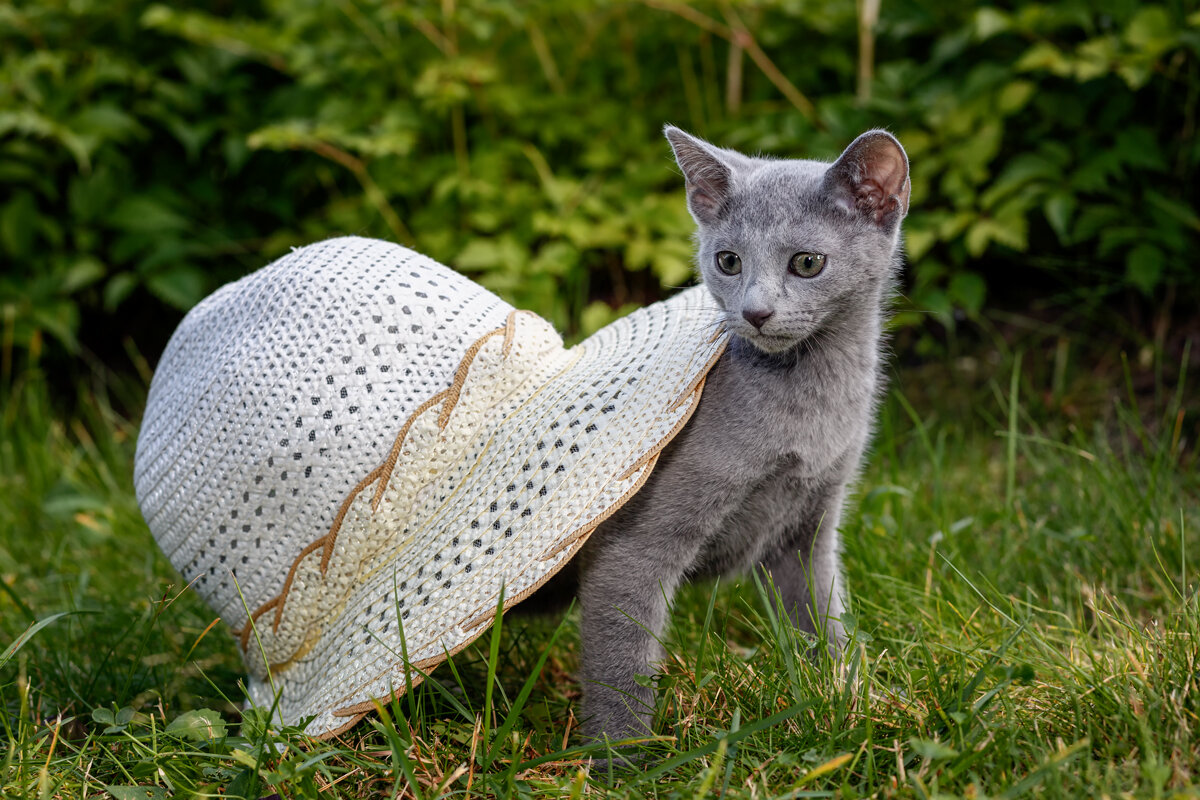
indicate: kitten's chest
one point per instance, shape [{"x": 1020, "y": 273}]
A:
[
  {"x": 777, "y": 448},
  {"x": 770, "y": 429},
  {"x": 757, "y": 520}
]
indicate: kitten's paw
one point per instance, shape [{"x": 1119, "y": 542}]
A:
[
  {"x": 622, "y": 760},
  {"x": 624, "y": 739}
]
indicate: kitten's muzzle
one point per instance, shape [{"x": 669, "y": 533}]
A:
[{"x": 757, "y": 316}]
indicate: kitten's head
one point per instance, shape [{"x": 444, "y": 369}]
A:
[{"x": 790, "y": 247}]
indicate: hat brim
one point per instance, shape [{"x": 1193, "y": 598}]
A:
[{"x": 519, "y": 449}]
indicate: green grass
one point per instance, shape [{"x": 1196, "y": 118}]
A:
[{"x": 1022, "y": 557}]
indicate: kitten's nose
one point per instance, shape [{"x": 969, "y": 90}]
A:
[{"x": 756, "y": 316}]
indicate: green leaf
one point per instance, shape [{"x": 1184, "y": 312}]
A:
[
  {"x": 672, "y": 262},
  {"x": 917, "y": 242},
  {"x": 191, "y": 135},
  {"x": 85, "y": 271},
  {"x": 114, "y": 722},
  {"x": 1138, "y": 147},
  {"x": 117, "y": 289},
  {"x": 990, "y": 22},
  {"x": 239, "y": 36},
  {"x": 146, "y": 214},
  {"x": 1014, "y": 96},
  {"x": 967, "y": 291},
  {"x": 59, "y": 319},
  {"x": 1095, "y": 58},
  {"x": 953, "y": 225},
  {"x": 500, "y": 253},
  {"x": 638, "y": 253},
  {"x": 18, "y": 219},
  {"x": 1151, "y": 31},
  {"x": 31, "y": 123},
  {"x": 1094, "y": 218},
  {"x": 181, "y": 286},
  {"x": 555, "y": 258},
  {"x": 137, "y": 792},
  {"x": 931, "y": 749},
  {"x": 1012, "y": 224},
  {"x": 1020, "y": 171},
  {"x": 935, "y": 302},
  {"x": 1005, "y": 228},
  {"x": 104, "y": 122},
  {"x": 1144, "y": 267},
  {"x": 91, "y": 196},
  {"x": 256, "y": 722},
  {"x": 200, "y": 725},
  {"x": 1119, "y": 237},
  {"x": 1044, "y": 56},
  {"x": 1059, "y": 208}
]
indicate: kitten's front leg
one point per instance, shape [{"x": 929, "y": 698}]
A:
[
  {"x": 626, "y": 588},
  {"x": 807, "y": 572}
]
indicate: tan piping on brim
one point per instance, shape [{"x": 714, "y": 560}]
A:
[
  {"x": 448, "y": 398},
  {"x": 586, "y": 530},
  {"x": 698, "y": 382},
  {"x": 647, "y": 461},
  {"x": 693, "y": 391},
  {"x": 367, "y": 706}
]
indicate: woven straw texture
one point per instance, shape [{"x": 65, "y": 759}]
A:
[{"x": 351, "y": 452}]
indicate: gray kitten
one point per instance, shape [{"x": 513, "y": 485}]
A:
[{"x": 801, "y": 256}]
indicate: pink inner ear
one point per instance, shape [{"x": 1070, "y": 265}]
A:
[
  {"x": 877, "y": 175},
  {"x": 702, "y": 198},
  {"x": 872, "y": 198},
  {"x": 883, "y": 165}
]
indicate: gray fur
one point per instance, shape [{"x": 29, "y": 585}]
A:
[{"x": 757, "y": 478}]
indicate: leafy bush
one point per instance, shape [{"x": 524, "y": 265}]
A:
[
  {"x": 149, "y": 152},
  {"x": 1051, "y": 139}
]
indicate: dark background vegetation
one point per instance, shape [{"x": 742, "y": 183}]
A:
[{"x": 150, "y": 152}]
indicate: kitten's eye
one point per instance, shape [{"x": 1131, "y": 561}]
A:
[
  {"x": 807, "y": 265},
  {"x": 729, "y": 263}
]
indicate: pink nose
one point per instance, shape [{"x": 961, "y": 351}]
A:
[{"x": 757, "y": 317}]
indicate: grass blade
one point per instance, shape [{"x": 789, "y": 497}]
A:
[{"x": 29, "y": 633}]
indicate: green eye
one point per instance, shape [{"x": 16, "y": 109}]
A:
[
  {"x": 807, "y": 265},
  {"x": 729, "y": 263}
]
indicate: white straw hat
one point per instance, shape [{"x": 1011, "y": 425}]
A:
[{"x": 356, "y": 436}]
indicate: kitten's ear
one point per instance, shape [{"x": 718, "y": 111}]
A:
[
  {"x": 708, "y": 171},
  {"x": 870, "y": 179}
]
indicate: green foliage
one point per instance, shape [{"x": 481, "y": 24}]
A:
[
  {"x": 1058, "y": 132},
  {"x": 150, "y": 152}
]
